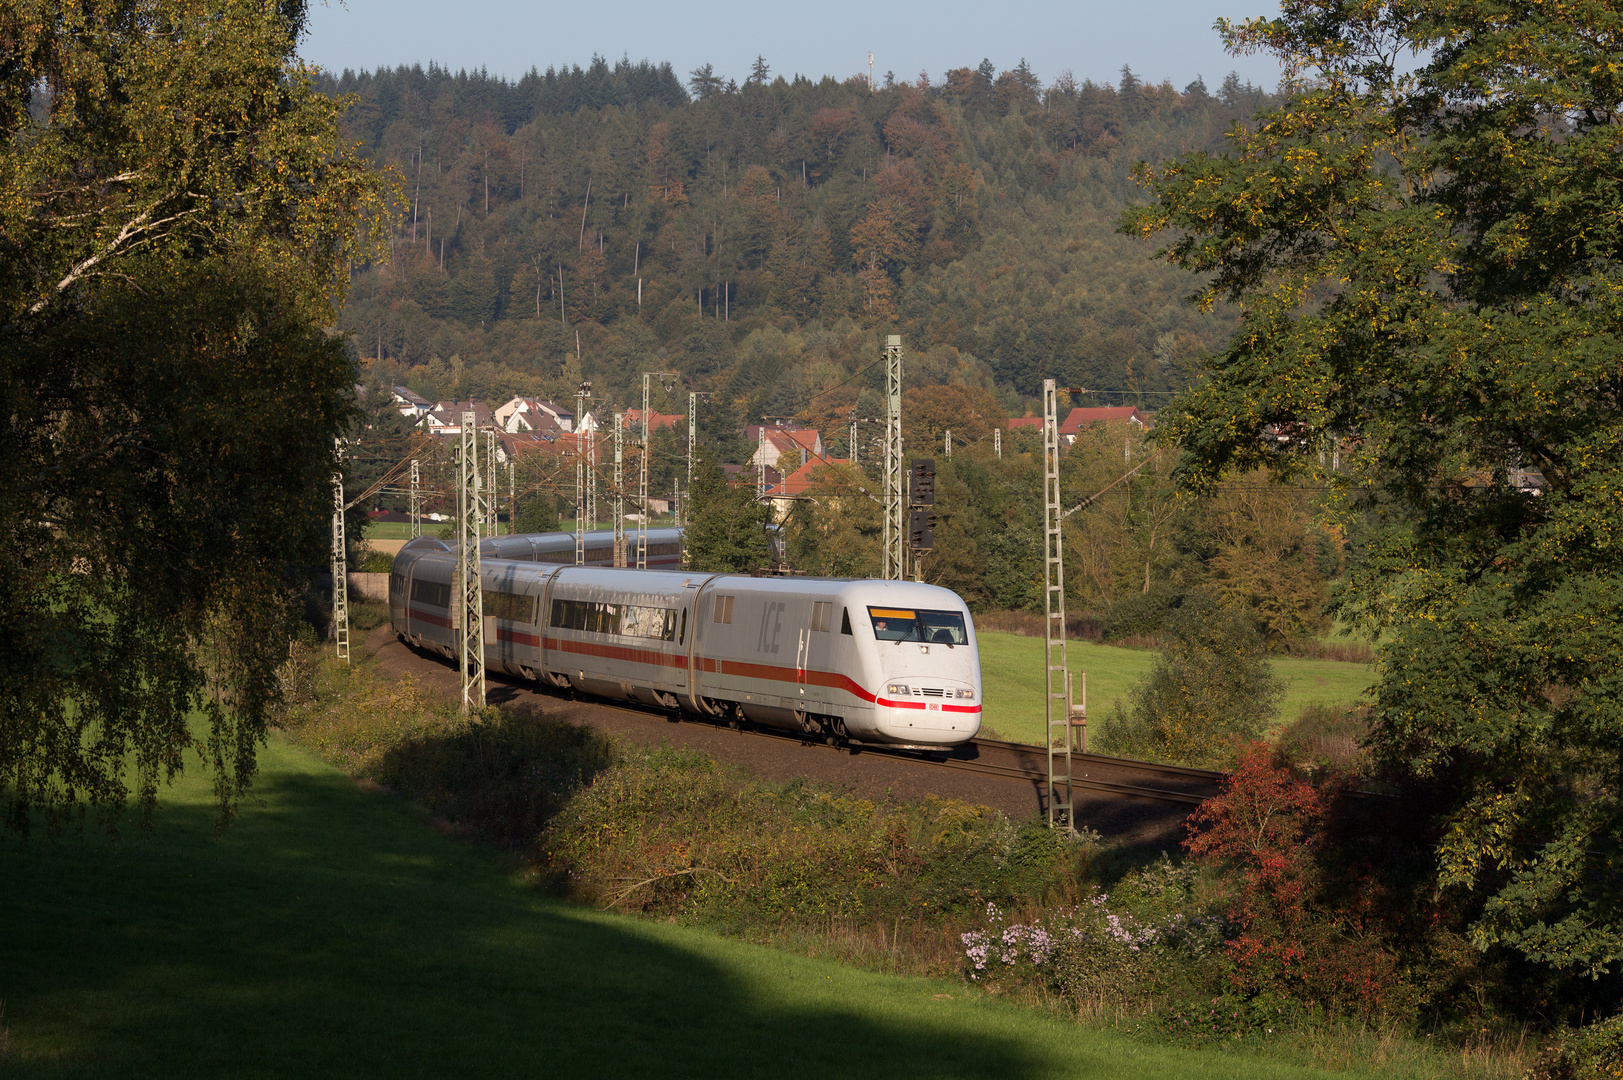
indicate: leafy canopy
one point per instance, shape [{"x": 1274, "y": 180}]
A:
[
  {"x": 1428, "y": 267},
  {"x": 726, "y": 533},
  {"x": 1211, "y": 691},
  {"x": 175, "y": 214}
]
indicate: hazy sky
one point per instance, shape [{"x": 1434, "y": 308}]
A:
[{"x": 1157, "y": 38}]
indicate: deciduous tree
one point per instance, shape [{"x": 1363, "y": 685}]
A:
[
  {"x": 1428, "y": 264},
  {"x": 726, "y": 533},
  {"x": 176, "y": 212}
]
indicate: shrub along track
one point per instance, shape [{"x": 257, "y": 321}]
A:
[{"x": 1130, "y": 802}]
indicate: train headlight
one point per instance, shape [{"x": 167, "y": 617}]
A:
[
  {"x": 897, "y": 688},
  {"x": 964, "y": 694}
]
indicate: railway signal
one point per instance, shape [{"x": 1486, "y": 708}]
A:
[
  {"x": 920, "y": 530},
  {"x": 921, "y": 485}
]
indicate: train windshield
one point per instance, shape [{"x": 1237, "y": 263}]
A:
[{"x": 916, "y": 624}]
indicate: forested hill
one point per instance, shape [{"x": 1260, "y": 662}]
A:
[{"x": 760, "y": 238}]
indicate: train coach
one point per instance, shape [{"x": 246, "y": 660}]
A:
[
  {"x": 872, "y": 662},
  {"x": 664, "y": 547}
]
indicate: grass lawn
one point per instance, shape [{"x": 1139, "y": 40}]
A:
[
  {"x": 1012, "y": 678},
  {"x": 393, "y": 530},
  {"x": 330, "y": 932}
]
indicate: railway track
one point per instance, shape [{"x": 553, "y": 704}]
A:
[
  {"x": 1092, "y": 772},
  {"x": 1116, "y": 777},
  {"x": 1022, "y": 761}
]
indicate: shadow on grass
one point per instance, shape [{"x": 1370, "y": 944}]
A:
[{"x": 330, "y": 934}]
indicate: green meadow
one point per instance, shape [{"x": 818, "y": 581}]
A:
[
  {"x": 332, "y": 932},
  {"x": 1012, "y": 682}
]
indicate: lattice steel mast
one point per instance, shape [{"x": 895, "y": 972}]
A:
[
  {"x": 490, "y": 484},
  {"x": 470, "y": 605},
  {"x": 416, "y": 500},
  {"x": 1061, "y": 807},
  {"x": 665, "y": 381},
  {"x": 619, "y": 489},
  {"x": 693, "y": 424},
  {"x": 581, "y": 394},
  {"x": 340, "y": 560},
  {"x": 895, "y": 559}
]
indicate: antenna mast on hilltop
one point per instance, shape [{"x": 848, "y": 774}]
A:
[{"x": 870, "y": 71}]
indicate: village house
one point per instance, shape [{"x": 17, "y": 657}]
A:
[
  {"x": 1079, "y": 419},
  {"x": 446, "y": 417},
  {"x": 411, "y": 405},
  {"x": 532, "y": 414},
  {"x": 800, "y": 444},
  {"x": 794, "y": 486}
]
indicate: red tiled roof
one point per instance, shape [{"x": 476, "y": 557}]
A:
[
  {"x": 798, "y": 481},
  {"x": 656, "y": 419},
  {"x": 1081, "y": 418}
]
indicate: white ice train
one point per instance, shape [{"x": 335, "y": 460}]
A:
[{"x": 862, "y": 661}]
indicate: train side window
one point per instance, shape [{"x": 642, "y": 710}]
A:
[
  {"x": 724, "y": 609},
  {"x": 397, "y": 584},
  {"x": 509, "y": 607},
  {"x": 432, "y": 593},
  {"x": 845, "y": 621},
  {"x": 821, "y": 610}
]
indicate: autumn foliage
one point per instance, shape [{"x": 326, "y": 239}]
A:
[{"x": 1269, "y": 829}]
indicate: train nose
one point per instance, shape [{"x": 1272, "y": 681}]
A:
[{"x": 930, "y": 710}]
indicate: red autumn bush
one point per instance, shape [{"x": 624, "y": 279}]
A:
[{"x": 1267, "y": 830}]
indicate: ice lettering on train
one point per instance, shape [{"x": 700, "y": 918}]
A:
[{"x": 771, "y": 626}]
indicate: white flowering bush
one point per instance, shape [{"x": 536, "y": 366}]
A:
[{"x": 1097, "y": 949}]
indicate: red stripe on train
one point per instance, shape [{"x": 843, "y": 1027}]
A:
[{"x": 829, "y": 679}]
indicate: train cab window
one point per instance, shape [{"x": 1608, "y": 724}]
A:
[
  {"x": 909, "y": 624},
  {"x": 724, "y": 609},
  {"x": 822, "y": 612},
  {"x": 845, "y": 621},
  {"x": 397, "y": 584}
]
